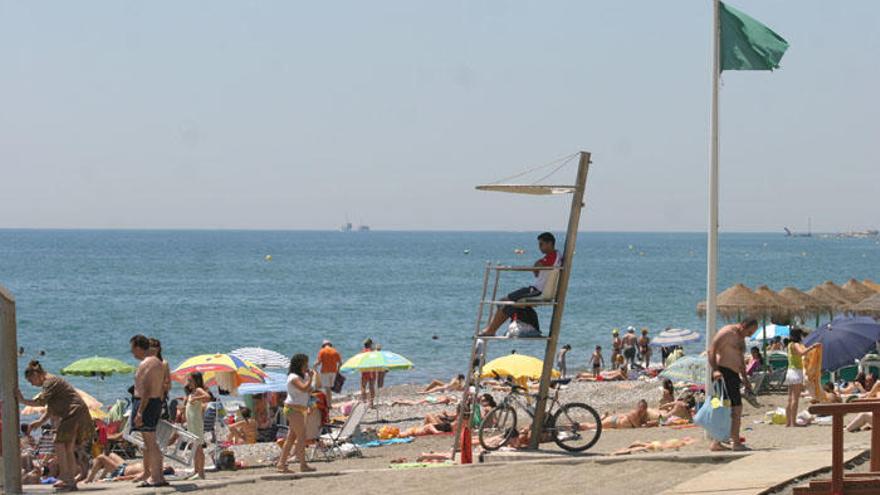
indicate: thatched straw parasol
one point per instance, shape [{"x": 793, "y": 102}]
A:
[
  {"x": 858, "y": 289},
  {"x": 777, "y": 306},
  {"x": 737, "y": 302},
  {"x": 804, "y": 304},
  {"x": 831, "y": 301},
  {"x": 868, "y": 307},
  {"x": 839, "y": 293},
  {"x": 871, "y": 284}
]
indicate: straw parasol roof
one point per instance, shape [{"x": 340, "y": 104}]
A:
[
  {"x": 829, "y": 300},
  {"x": 840, "y": 293},
  {"x": 868, "y": 307},
  {"x": 737, "y": 302},
  {"x": 858, "y": 289},
  {"x": 803, "y": 303},
  {"x": 777, "y": 306},
  {"x": 871, "y": 284}
]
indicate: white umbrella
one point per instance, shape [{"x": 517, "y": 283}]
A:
[
  {"x": 263, "y": 358},
  {"x": 675, "y": 336}
]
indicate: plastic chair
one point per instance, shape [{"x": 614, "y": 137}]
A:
[
  {"x": 848, "y": 373},
  {"x": 329, "y": 444}
]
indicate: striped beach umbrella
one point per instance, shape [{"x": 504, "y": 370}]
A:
[
  {"x": 376, "y": 361},
  {"x": 262, "y": 357},
  {"x": 675, "y": 336},
  {"x": 691, "y": 369}
]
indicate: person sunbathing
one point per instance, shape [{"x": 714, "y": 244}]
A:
[
  {"x": 637, "y": 418},
  {"x": 454, "y": 385},
  {"x": 244, "y": 431},
  {"x": 425, "y": 430},
  {"x": 431, "y": 399},
  {"x": 111, "y": 467},
  {"x": 655, "y": 446}
]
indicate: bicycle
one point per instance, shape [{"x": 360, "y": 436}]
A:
[{"x": 574, "y": 426}]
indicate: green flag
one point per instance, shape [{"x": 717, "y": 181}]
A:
[{"x": 746, "y": 44}]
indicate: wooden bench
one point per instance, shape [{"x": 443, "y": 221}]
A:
[{"x": 853, "y": 483}]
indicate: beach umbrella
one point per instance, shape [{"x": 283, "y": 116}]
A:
[
  {"x": 844, "y": 340},
  {"x": 858, "y": 289},
  {"x": 736, "y": 302},
  {"x": 97, "y": 366},
  {"x": 275, "y": 382},
  {"x": 675, "y": 336},
  {"x": 803, "y": 304},
  {"x": 830, "y": 301},
  {"x": 92, "y": 403},
  {"x": 771, "y": 331},
  {"x": 691, "y": 369},
  {"x": 223, "y": 370},
  {"x": 868, "y": 307},
  {"x": 376, "y": 361},
  {"x": 778, "y": 307},
  {"x": 264, "y": 358},
  {"x": 838, "y": 292},
  {"x": 516, "y": 366}
]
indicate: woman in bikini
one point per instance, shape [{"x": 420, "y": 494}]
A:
[{"x": 296, "y": 407}]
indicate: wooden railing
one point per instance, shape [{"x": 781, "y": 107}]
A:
[{"x": 857, "y": 483}]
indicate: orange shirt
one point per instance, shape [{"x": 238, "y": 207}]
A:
[{"x": 329, "y": 359}]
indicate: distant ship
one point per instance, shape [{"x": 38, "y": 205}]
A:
[
  {"x": 349, "y": 227},
  {"x": 363, "y": 228},
  {"x": 789, "y": 233},
  {"x": 858, "y": 234},
  {"x": 346, "y": 227}
]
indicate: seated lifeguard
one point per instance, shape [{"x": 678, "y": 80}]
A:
[{"x": 547, "y": 246}]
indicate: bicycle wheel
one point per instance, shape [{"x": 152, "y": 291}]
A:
[
  {"x": 576, "y": 427},
  {"x": 498, "y": 427}
]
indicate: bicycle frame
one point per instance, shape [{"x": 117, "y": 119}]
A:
[{"x": 515, "y": 398}]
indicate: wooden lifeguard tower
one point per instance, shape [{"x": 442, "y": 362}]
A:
[{"x": 554, "y": 296}]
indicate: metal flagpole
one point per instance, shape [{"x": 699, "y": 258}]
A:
[{"x": 712, "y": 241}]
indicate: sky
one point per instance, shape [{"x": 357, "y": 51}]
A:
[{"x": 298, "y": 115}]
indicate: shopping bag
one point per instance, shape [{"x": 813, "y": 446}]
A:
[
  {"x": 714, "y": 414},
  {"x": 338, "y": 383}
]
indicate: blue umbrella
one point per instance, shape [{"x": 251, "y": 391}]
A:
[
  {"x": 844, "y": 340},
  {"x": 772, "y": 332}
]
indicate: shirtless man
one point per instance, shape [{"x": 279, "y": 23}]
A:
[
  {"x": 727, "y": 361},
  {"x": 629, "y": 347},
  {"x": 147, "y": 408}
]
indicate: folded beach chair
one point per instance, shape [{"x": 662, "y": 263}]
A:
[
  {"x": 175, "y": 442},
  {"x": 329, "y": 444}
]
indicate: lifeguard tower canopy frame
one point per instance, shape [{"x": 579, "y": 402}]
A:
[{"x": 552, "y": 296}]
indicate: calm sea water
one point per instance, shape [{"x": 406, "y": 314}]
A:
[{"x": 84, "y": 293}]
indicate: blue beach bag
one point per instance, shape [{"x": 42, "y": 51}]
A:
[{"x": 714, "y": 414}]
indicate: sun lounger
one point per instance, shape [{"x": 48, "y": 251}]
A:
[
  {"x": 329, "y": 444},
  {"x": 175, "y": 442}
]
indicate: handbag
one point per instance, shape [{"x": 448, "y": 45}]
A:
[
  {"x": 338, "y": 383},
  {"x": 714, "y": 414}
]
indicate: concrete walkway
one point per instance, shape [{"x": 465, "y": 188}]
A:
[{"x": 762, "y": 471}]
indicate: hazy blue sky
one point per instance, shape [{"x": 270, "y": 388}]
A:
[{"x": 282, "y": 114}]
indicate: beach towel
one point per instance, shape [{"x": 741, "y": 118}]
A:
[
  {"x": 813, "y": 373},
  {"x": 415, "y": 465},
  {"x": 714, "y": 414},
  {"x": 382, "y": 443}
]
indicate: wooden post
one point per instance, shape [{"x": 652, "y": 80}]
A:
[
  {"x": 574, "y": 218},
  {"x": 875, "y": 442},
  {"x": 8, "y": 384},
  {"x": 837, "y": 453}
]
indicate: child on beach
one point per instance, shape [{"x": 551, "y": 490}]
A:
[
  {"x": 596, "y": 361},
  {"x": 560, "y": 360}
]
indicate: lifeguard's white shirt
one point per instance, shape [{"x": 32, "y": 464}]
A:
[{"x": 551, "y": 259}]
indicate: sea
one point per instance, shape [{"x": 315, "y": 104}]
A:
[{"x": 82, "y": 293}]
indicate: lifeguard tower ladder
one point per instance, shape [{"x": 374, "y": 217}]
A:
[{"x": 553, "y": 295}]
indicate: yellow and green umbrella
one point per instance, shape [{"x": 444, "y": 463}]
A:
[
  {"x": 516, "y": 366},
  {"x": 97, "y": 366},
  {"x": 376, "y": 361}
]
